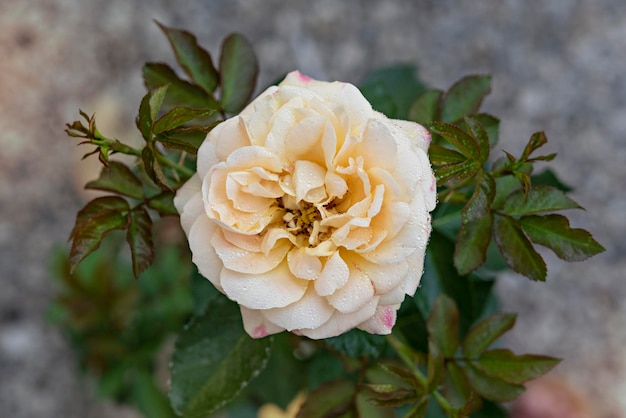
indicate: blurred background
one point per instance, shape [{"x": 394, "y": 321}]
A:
[{"x": 558, "y": 66}]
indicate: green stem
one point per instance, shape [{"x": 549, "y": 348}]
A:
[{"x": 166, "y": 161}]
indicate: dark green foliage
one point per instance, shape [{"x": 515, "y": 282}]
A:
[{"x": 118, "y": 325}]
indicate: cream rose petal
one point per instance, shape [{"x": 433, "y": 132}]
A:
[
  {"x": 334, "y": 275},
  {"x": 256, "y": 325},
  {"x": 273, "y": 289},
  {"x": 203, "y": 253},
  {"x": 243, "y": 261},
  {"x": 310, "y": 311},
  {"x": 188, "y": 202},
  {"x": 356, "y": 293},
  {"x": 303, "y": 265},
  {"x": 341, "y": 322},
  {"x": 383, "y": 320}
]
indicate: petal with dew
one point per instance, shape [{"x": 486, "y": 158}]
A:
[
  {"x": 355, "y": 294},
  {"x": 256, "y": 325},
  {"x": 383, "y": 320},
  {"x": 303, "y": 265},
  {"x": 203, "y": 254},
  {"x": 341, "y": 322},
  {"x": 273, "y": 289},
  {"x": 310, "y": 311},
  {"x": 334, "y": 275},
  {"x": 243, "y": 261}
]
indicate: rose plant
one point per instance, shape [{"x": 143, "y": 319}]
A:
[
  {"x": 308, "y": 210},
  {"x": 315, "y": 207}
]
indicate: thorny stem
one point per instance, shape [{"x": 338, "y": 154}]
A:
[{"x": 179, "y": 168}]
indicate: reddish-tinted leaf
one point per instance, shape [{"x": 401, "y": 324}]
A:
[
  {"x": 441, "y": 156},
  {"x": 465, "y": 97},
  {"x": 435, "y": 366},
  {"x": 239, "y": 69},
  {"x": 443, "y": 325},
  {"x": 118, "y": 178},
  {"x": 174, "y": 143},
  {"x": 463, "y": 141},
  {"x": 457, "y": 171},
  {"x": 419, "y": 409},
  {"x": 489, "y": 387},
  {"x": 554, "y": 232},
  {"x": 424, "y": 108},
  {"x": 541, "y": 199},
  {"x": 195, "y": 60},
  {"x": 163, "y": 203},
  {"x": 456, "y": 388},
  {"x": 537, "y": 140},
  {"x": 178, "y": 116},
  {"x": 139, "y": 237},
  {"x": 480, "y": 134},
  {"x": 180, "y": 92},
  {"x": 390, "y": 395},
  {"x": 491, "y": 125},
  {"x": 486, "y": 332},
  {"x": 517, "y": 250},
  {"x": 93, "y": 222},
  {"x": 482, "y": 199},
  {"x": 149, "y": 110},
  {"x": 472, "y": 242},
  {"x": 504, "y": 365}
]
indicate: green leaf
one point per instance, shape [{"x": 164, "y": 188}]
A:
[
  {"x": 424, "y": 108},
  {"x": 149, "y": 110},
  {"x": 163, "y": 203},
  {"x": 329, "y": 400},
  {"x": 443, "y": 325},
  {"x": 419, "y": 409},
  {"x": 481, "y": 136},
  {"x": 471, "y": 293},
  {"x": 390, "y": 395},
  {"x": 472, "y": 243},
  {"x": 491, "y": 388},
  {"x": 194, "y": 60},
  {"x": 461, "y": 140},
  {"x": 139, "y": 237},
  {"x": 177, "y": 117},
  {"x": 214, "y": 359},
  {"x": 357, "y": 343},
  {"x": 435, "y": 365},
  {"x": 150, "y": 400},
  {"x": 439, "y": 155},
  {"x": 465, "y": 97},
  {"x": 153, "y": 169},
  {"x": 456, "y": 389},
  {"x": 486, "y": 332},
  {"x": 504, "y": 365},
  {"x": 180, "y": 92},
  {"x": 174, "y": 143},
  {"x": 239, "y": 69},
  {"x": 392, "y": 90},
  {"x": 548, "y": 178},
  {"x": 541, "y": 199},
  {"x": 118, "y": 178},
  {"x": 457, "y": 171},
  {"x": 491, "y": 125},
  {"x": 482, "y": 199},
  {"x": 517, "y": 250},
  {"x": 554, "y": 232},
  {"x": 99, "y": 217}
]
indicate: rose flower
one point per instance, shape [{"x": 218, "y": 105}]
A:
[{"x": 311, "y": 210}]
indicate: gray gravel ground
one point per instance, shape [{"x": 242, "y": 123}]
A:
[{"x": 558, "y": 65}]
